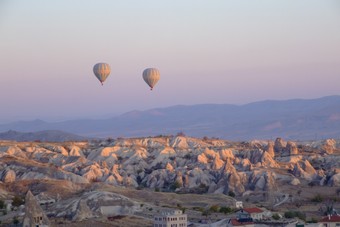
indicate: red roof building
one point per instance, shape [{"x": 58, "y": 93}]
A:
[
  {"x": 330, "y": 221},
  {"x": 252, "y": 212},
  {"x": 234, "y": 222}
]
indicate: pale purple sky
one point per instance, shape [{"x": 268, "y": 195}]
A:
[{"x": 207, "y": 52}]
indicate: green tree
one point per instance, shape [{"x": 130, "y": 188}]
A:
[
  {"x": 231, "y": 194},
  {"x": 2, "y": 204},
  {"x": 17, "y": 201},
  {"x": 183, "y": 209},
  {"x": 317, "y": 198},
  {"x": 276, "y": 216},
  {"x": 175, "y": 185},
  {"x": 225, "y": 210},
  {"x": 214, "y": 208}
]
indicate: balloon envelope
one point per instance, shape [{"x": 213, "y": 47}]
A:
[
  {"x": 102, "y": 71},
  {"x": 151, "y": 76}
]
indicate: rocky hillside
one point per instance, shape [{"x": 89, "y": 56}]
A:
[{"x": 175, "y": 163}]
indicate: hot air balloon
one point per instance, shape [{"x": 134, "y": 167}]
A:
[
  {"x": 102, "y": 71},
  {"x": 151, "y": 76}
]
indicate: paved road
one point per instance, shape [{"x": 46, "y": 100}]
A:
[{"x": 282, "y": 201}]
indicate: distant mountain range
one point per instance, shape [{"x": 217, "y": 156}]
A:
[
  {"x": 297, "y": 119},
  {"x": 43, "y": 136}
]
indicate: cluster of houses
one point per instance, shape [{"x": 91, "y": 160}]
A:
[{"x": 245, "y": 217}]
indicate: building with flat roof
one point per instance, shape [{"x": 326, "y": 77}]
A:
[{"x": 170, "y": 218}]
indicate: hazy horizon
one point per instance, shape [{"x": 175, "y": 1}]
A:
[
  {"x": 223, "y": 52},
  {"x": 105, "y": 116}
]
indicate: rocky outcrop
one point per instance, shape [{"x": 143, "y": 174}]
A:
[
  {"x": 329, "y": 146},
  {"x": 270, "y": 149},
  {"x": 304, "y": 170},
  {"x": 8, "y": 176},
  {"x": 34, "y": 215},
  {"x": 334, "y": 180},
  {"x": 291, "y": 148},
  {"x": 175, "y": 163},
  {"x": 279, "y": 146}
]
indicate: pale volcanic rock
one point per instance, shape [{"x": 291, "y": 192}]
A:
[
  {"x": 270, "y": 149},
  {"x": 70, "y": 176},
  {"x": 329, "y": 146},
  {"x": 270, "y": 179},
  {"x": 226, "y": 154},
  {"x": 8, "y": 176},
  {"x": 260, "y": 183},
  {"x": 255, "y": 156},
  {"x": 279, "y": 145},
  {"x": 263, "y": 180},
  {"x": 62, "y": 151},
  {"x": 92, "y": 172},
  {"x": 268, "y": 161},
  {"x": 137, "y": 159},
  {"x": 157, "y": 178},
  {"x": 228, "y": 168},
  {"x": 291, "y": 159},
  {"x": 75, "y": 151},
  {"x": 179, "y": 178},
  {"x": 115, "y": 175},
  {"x": 202, "y": 158},
  {"x": 179, "y": 142},
  {"x": 103, "y": 153},
  {"x": 210, "y": 154},
  {"x": 292, "y": 148},
  {"x": 217, "y": 163},
  {"x": 164, "y": 162},
  {"x": 111, "y": 180},
  {"x": 197, "y": 176},
  {"x": 236, "y": 182},
  {"x": 232, "y": 180},
  {"x": 245, "y": 164},
  {"x": 334, "y": 180},
  {"x": 12, "y": 151},
  {"x": 295, "y": 181},
  {"x": 83, "y": 211},
  {"x": 169, "y": 167},
  {"x": 43, "y": 155},
  {"x": 164, "y": 156},
  {"x": 305, "y": 170},
  {"x": 129, "y": 181},
  {"x": 32, "y": 211}
]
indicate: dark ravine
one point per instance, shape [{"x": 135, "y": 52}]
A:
[{"x": 297, "y": 119}]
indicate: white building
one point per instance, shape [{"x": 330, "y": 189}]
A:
[
  {"x": 238, "y": 204},
  {"x": 170, "y": 218}
]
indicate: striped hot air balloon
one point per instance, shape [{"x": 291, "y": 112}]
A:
[
  {"x": 151, "y": 76},
  {"x": 102, "y": 71}
]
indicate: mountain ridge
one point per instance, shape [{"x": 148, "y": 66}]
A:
[
  {"x": 294, "y": 119},
  {"x": 44, "y": 136}
]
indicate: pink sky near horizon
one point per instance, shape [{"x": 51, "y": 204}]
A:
[{"x": 207, "y": 52}]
